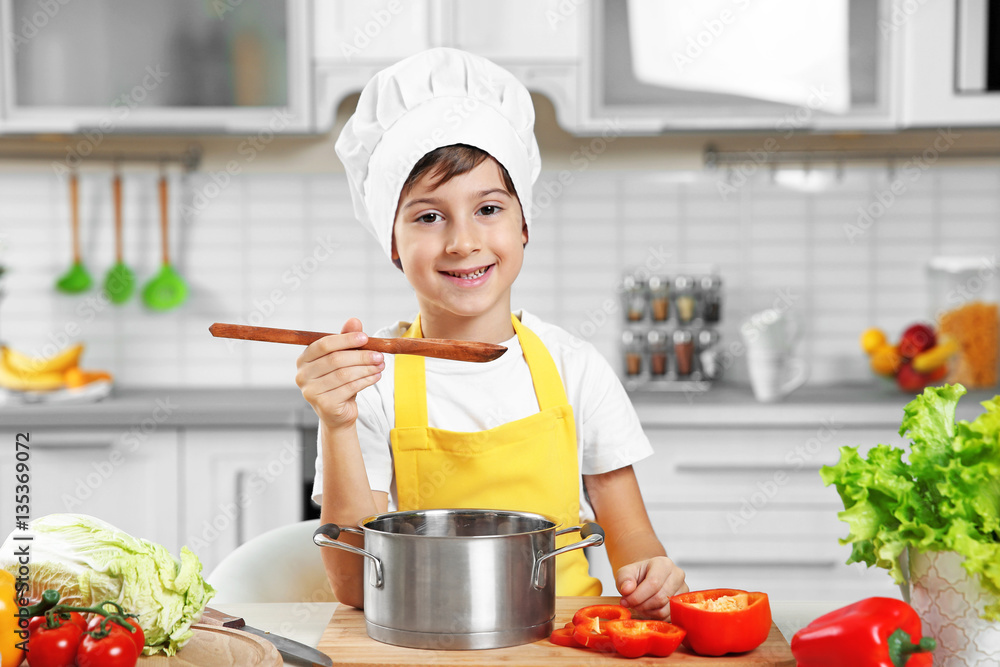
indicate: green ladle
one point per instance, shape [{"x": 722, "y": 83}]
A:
[
  {"x": 167, "y": 289},
  {"x": 76, "y": 279},
  {"x": 120, "y": 281}
]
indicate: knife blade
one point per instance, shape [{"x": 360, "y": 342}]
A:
[{"x": 291, "y": 650}]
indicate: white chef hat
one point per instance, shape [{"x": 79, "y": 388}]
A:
[{"x": 432, "y": 99}]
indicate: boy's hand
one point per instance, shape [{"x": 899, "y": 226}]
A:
[
  {"x": 646, "y": 586},
  {"x": 332, "y": 371}
]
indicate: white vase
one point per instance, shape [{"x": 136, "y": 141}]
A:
[{"x": 950, "y": 602}]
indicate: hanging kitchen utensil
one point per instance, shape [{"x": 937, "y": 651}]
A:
[
  {"x": 120, "y": 281},
  {"x": 442, "y": 348},
  {"x": 167, "y": 289},
  {"x": 76, "y": 279}
]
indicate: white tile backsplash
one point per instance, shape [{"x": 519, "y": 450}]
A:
[{"x": 282, "y": 250}]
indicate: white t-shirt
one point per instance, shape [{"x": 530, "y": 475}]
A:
[{"x": 475, "y": 397}]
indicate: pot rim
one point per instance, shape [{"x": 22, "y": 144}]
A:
[{"x": 362, "y": 524}]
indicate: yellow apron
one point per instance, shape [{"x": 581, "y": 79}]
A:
[{"x": 528, "y": 465}]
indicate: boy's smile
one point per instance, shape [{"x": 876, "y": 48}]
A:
[{"x": 461, "y": 245}]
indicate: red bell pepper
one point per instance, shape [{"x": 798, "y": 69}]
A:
[
  {"x": 633, "y": 638},
  {"x": 564, "y": 637},
  {"x": 590, "y": 634},
  {"x": 875, "y": 632},
  {"x": 605, "y": 612},
  {"x": 722, "y": 620}
]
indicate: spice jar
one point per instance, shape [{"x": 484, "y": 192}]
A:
[
  {"x": 632, "y": 346},
  {"x": 635, "y": 298},
  {"x": 708, "y": 353},
  {"x": 657, "y": 344},
  {"x": 684, "y": 301},
  {"x": 659, "y": 301},
  {"x": 711, "y": 299},
  {"x": 683, "y": 352}
]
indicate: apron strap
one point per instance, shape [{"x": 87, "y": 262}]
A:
[{"x": 544, "y": 375}]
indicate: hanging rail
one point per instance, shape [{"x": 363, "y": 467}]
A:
[
  {"x": 716, "y": 158},
  {"x": 190, "y": 159}
]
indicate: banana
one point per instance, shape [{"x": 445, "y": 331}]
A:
[
  {"x": 20, "y": 381},
  {"x": 23, "y": 364}
]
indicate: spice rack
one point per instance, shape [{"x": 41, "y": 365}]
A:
[{"x": 670, "y": 340}]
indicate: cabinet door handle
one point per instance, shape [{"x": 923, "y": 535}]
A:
[
  {"x": 71, "y": 441},
  {"x": 241, "y": 480},
  {"x": 746, "y": 468},
  {"x": 815, "y": 565}
]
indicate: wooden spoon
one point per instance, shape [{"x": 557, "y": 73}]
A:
[{"x": 442, "y": 348}]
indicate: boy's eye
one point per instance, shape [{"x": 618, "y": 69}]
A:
[
  {"x": 489, "y": 209},
  {"x": 428, "y": 217}
]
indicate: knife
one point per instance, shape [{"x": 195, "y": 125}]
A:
[{"x": 291, "y": 650}]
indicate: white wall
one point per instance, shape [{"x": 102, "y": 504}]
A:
[{"x": 281, "y": 249}]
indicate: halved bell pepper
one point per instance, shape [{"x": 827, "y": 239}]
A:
[
  {"x": 564, "y": 636},
  {"x": 722, "y": 620},
  {"x": 875, "y": 632},
  {"x": 634, "y": 638},
  {"x": 605, "y": 612}
]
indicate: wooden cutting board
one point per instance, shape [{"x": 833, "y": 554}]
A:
[
  {"x": 346, "y": 641},
  {"x": 216, "y": 646}
]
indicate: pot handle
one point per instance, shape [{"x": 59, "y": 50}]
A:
[
  {"x": 593, "y": 536},
  {"x": 326, "y": 536}
]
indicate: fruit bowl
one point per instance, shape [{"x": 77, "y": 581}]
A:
[{"x": 919, "y": 359}]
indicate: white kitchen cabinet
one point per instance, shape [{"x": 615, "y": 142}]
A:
[
  {"x": 237, "y": 484},
  {"x": 539, "y": 41},
  {"x": 240, "y": 67},
  {"x": 931, "y": 96},
  {"x": 127, "y": 477},
  {"x": 746, "y": 508}
]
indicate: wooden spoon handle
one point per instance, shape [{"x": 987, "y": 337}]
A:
[{"x": 442, "y": 348}]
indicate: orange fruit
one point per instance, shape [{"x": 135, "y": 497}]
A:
[
  {"x": 886, "y": 360},
  {"x": 872, "y": 339}
]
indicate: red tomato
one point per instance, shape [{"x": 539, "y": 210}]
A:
[
  {"x": 74, "y": 617},
  {"x": 53, "y": 647},
  {"x": 115, "y": 650},
  {"x": 138, "y": 637}
]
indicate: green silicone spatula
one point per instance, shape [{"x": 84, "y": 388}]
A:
[
  {"x": 167, "y": 289},
  {"x": 120, "y": 281},
  {"x": 76, "y": 279}
]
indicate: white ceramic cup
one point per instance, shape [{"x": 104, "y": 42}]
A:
[
  {"x": 774, "y": 374},
  {"x": 770, "y": 330}
]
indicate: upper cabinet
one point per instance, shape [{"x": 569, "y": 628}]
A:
[
  {"x": 104, "y": 66},
  {"x": 283, "y": 66},
  {"x": 579, "y": 54},
  {"x": 951, "y": 63}
]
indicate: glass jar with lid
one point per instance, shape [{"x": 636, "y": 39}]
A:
[
  {"x": 684, "y": 299},
  {"x": 708, "y": 354},
  {"x": 659, "y": 298},
  {"x": 633, "y": 349},
  {"x": 964, "y": 298},
  {"x": 711, "y": 299},
  {"x": 657, "y": 342},
  {"x": 634, "y": 294},
  {"x": 683, "y": 352}
]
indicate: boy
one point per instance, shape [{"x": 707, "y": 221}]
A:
[{"x": 441, "y": 158}]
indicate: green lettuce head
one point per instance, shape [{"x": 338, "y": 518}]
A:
[
  {"x": 945, "y": 498},
  {"x": 89, "y": 561}
]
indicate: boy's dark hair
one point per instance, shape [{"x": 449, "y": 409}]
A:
[{"x": 447, "y": 162}]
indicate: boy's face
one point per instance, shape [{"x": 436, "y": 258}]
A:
[{"x": 461, "y": 244}]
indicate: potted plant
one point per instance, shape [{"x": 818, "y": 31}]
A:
[{"x": 933, "y": 520}]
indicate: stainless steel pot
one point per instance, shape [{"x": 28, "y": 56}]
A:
[{"x": 459, "y": 578}]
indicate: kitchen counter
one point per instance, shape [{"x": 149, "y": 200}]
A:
[
  {"x": 306, "y": 621},
  {"x": 723, "y": 406}
]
